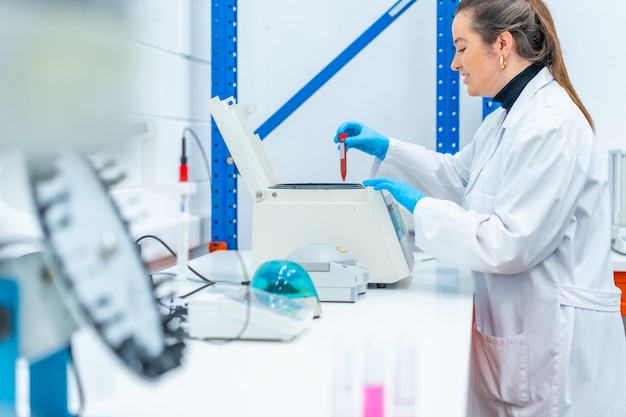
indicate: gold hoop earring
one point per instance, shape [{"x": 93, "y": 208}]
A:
[{"x": 502, "y": 62}]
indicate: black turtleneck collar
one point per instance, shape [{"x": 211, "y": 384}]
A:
[{"x": 509, "y": 94}]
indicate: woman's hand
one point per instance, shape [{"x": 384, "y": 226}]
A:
[
  {"x": 401, "y": 191},
  {"x": 364, "y": 139}
]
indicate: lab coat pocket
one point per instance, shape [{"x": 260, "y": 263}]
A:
[{"x": 500, "y": 367}]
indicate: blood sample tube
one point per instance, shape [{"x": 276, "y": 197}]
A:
[{"x": 343, "y": 155}]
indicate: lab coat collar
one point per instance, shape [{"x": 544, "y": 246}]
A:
[{"x": 543, "y": 78}]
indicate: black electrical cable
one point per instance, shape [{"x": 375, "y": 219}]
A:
[
  {"x": 79, "y": 382},
  {"x": 248, "y": 314},
  {"x": 246, "y": 280},
  {"x": 202, "y": 151},
  {"x": 178, "y": 313},
  {"x": 171, "y": 251},
  {"x": 195, "y": 291},
  {"x": 189, "y": 130},
  {"x": 181, "y": 334}
]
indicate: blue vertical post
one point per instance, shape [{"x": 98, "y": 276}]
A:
[
  {"x": 489, "y": 106},
  {"x": 48, "y": 385},
  {"x": 9, "y": 303},
  {"x": 48, "y": 376},
  {"x": 224, "y": 85},
  {"x": 447, "y": 81}
]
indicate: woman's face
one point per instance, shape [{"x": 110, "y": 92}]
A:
[{"x": 478, "y": 62}]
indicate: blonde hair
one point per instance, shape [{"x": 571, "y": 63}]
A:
[{"x": 531, "y": 24}]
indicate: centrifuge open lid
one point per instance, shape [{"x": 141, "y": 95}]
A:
[{"x": 244, "y": 145}]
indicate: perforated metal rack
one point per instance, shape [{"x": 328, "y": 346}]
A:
[
  {"x": 224, "y": 84},
  {"x": 447, "y": 81}
]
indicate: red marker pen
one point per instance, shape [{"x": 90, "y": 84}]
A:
[{"x": 343, "y": 155}]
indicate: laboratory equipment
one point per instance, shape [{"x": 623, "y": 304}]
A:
[
  {"x": 337, "y": 275},
  {"x": 287, "y": 279},
  {"x": 41, "y": 305},
  {"x": 98, "y": 263},
  {"x": 617, "y": 185},
  {"x": 246, "y": 313},
  {"x": 288, "y": 216},
  {"x": 58, "y": 104},
  {"x": 86, "y": 273},
  {"x": 343, "y": 155}
]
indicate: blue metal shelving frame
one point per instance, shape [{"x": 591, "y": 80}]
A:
[
  {"x": 447, "y": 81},
  {"x": 489, "y": 106},
  {"x": 47, "y": 377},
  {"x": 224, "y": 79},
  {"x": 224, "y": 85},
  {"x": 9, "y": 344}
]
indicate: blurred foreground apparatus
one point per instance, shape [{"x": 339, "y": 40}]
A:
[
  {"x": 64, "y": 73},
  {"x": 64, "y": 78}
]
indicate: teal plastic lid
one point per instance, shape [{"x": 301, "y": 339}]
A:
[{"x": 285, "y": 278}]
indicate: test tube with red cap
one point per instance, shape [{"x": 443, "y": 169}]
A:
[{"x": 343, "y": 155}]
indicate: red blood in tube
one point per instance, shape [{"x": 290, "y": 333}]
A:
[{"x": 343, "y": 155}]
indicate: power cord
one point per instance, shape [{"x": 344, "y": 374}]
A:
[
  {"x": 197, "y": 290},
  {"x": 199, "y": 275},
  {"x": 202, "y": 151},
  {"x": 171, "y": 251},
  {"x": 182, "y": 335},
  {"x": 222, "y": 212},
  {"x": 248, "y": 314},
  {"x": 182, "y": 312},
  {"x": 79, "y": 382}
]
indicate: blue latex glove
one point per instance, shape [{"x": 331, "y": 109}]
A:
[
  {"x": 364, "y": 139},
  {"x": 401, "y": 191}
]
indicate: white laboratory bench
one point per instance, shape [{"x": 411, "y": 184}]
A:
[{"x": 243, "y": 378}]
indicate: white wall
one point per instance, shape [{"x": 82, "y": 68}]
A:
[
  {"x": 592, "y": 37},
  {"x": 171, "y": 42}
]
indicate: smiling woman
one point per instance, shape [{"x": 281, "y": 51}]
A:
[
  {"x": 525, "y": 206},
  {"x": 518, "y": 31},
  {"x": 478, "y": 62}
]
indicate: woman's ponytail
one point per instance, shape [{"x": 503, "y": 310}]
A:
[{"x": 531, "y": 24}]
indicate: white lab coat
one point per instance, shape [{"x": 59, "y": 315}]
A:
[{"x": 526, "y": 207}]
